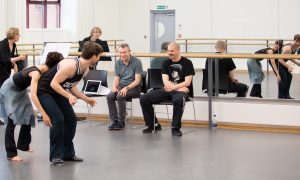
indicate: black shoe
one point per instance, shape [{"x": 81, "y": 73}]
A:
[
  {"x": 1, "y": 123},
  {"x": 113, "y": 125},
  {"x": 149, "y": 129},
  {"x": 57, "y": 161},
  {"x": 74, "y": 158},
  {"x": 176, "y": 132},
  {"x": 256, "y": 96},
  {"x": 289, "y": 97},
  {"x": 120, "y": 126}
]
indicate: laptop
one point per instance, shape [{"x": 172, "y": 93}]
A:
[{"x": 93, "y": 87}]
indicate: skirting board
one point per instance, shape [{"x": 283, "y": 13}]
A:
[{"x": 204, "y": 124}]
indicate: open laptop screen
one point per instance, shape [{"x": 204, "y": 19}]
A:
[{"x": 92, "y": 87}]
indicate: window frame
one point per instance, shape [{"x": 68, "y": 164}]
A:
[{"x": 44, "y": 3}]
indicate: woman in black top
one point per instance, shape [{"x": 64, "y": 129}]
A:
[
  {"x": 95, "y": 35},
  {"x": 256, "y": 73},
  {"x": 8, "y": 54},
  {"x": 16, "y": 108}
]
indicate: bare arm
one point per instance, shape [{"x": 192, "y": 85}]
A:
[
  {"x": 136, "y": 82},
  {"x": 183, "y": 86},
  {"x": 19, "y": 58},
  {"x": 273, "y": 63},
  {"x": 295, "y": 62},
  {"x": 65, "y": 70},
  {"x": 35, "y": 76},
  {"x": 116, "y": 84},
  {"x": 75, "y": 91},
  {"x": 15, "y": 68},
  {"x": 231, "y": 76},
  {"x": 274, "y": 66}
]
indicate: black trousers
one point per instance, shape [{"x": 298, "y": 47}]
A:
[
  {"x": 64, "y": 122},
  {"x": 156, "y": 96},
  {"x": 285, "y": 83},
  {"x": 239, "y": 88},
  {"x": 23, "y": 141}
]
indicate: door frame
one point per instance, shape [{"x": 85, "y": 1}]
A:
[{"x": 152, "y": 25}]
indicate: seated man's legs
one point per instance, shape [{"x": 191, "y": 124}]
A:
[
  {"x": 121, "y": 101},
  {"x": 240, "y": 88},
  {"x": 178, "y": 99},
  {"x": 147, "y": 101},
  {"x": 112, "y": 108}
]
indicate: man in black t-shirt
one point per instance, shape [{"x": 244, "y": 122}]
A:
[
  {"x": 227, "y": 79},
  {"x": 177, "y": 75}
]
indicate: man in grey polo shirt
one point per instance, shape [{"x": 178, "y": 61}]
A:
[{"x": 126, "y": 85}]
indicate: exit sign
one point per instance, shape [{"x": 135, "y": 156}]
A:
[{"x": 161, "y": 7}]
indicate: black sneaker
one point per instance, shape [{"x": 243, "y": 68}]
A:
[
  {"x": 120, "y": 126},
  {"x": 74, "y": 159},
  {"x": 176, "y": 132},
  {"x": 113, "y": 125},
  {"x": 149, "y": 129},
  {"x": 57, "y": 161}
]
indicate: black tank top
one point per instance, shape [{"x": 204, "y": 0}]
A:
[
  {"x": 22, "y": 79},
  {"x": 45, "y": 80}
]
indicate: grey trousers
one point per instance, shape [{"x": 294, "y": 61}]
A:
[
  {"x": 114, "y": 100},
  {"x": 256, "y": 73}
]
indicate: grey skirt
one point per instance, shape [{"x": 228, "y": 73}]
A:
[{"x": 15, "y": 104}]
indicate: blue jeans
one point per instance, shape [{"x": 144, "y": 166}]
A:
[{"x": 64, "y": 122}]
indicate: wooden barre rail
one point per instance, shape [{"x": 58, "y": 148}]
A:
[
  {"x": 187, "y": 42},
  {"x": 233, "y": 39},
  {"x": 196, "y": 55}
]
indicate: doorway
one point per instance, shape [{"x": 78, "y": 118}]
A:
[{"x": 162, "y": 28}]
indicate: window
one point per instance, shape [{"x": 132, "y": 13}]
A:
[{"x": 43, "y": 13}]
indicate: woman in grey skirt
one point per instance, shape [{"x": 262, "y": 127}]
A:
[
  {"x": 16, "y": 107},
  {"x": 256, "y": 73}
]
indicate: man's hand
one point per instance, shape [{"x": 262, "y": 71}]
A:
[
  {"x": 183, "y": 89},
  {"x": 290, "y": 68},
  {"x": 114, "y": 89},
  {"x": 123, "y": 91},
  {"x": 169, "y": 87},
  {"x": 72, "y": 99},
  {"x": 22, "y": 57},
  {"x": 92, "y": 102}
]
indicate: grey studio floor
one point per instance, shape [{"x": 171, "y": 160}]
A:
[{"x": 199, "y": 154}]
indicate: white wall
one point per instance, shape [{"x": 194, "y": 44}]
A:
[{"x": 130, "y": 20}]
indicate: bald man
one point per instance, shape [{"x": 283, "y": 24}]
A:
[{"x": 177, "y": 75}]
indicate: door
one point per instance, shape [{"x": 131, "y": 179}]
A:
[{"x": 162, "y": 28}]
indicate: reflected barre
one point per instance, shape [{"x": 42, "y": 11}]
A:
[{"x": 195, "y": 55}]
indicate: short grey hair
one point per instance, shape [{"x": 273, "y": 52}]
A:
[
  {"x": 177, "y": 46},
  {"x": 124, "y": 45},
  {"x": 221, "y": 45}
]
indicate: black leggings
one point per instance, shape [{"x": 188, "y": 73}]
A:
[{"x": 23, "y": 141}]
